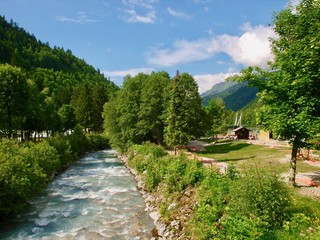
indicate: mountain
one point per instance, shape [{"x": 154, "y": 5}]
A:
[
  {"x": 235, "y": 95},
  {"x": 53, "y": 89},
  {"x": 219, "y": 87}
]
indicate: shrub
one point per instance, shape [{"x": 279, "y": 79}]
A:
[
  {"x": 212, "y": 195},
  {"x": 258, "y": 198},
  {"x": 62, "y": 145},
  {"x": 142, "y": 155},
  {"x": 241, "y": 227},
  {"x": 44, "y": 156},
  {"x": 97, "y": 141},
  {"x": 19, "y": 178}
]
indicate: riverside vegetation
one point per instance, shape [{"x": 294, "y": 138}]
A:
[
  {"x": 27, "y": 168},
  {"x": 203, "y": 204}
]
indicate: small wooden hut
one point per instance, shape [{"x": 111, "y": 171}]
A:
[{"x": 241, "y": 133}]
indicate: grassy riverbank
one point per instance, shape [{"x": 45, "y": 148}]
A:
[
  {"x": 26, "y": 168},
  {"x": 199, "y": 203}
]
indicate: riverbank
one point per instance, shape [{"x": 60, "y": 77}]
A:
[
  {"x": 161, "y": 231},
  {"x": 189, "y": 201}
]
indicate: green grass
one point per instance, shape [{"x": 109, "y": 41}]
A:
[
  {"x": 305, "y": 204},
  {"x": 241, "y": 153},
  {"x": 235, "y": 151}
]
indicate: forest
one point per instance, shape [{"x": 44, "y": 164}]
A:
[{"x": 44, "y": 89}]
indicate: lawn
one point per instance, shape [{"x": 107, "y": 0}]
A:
[{"x": 241, "y": 153}]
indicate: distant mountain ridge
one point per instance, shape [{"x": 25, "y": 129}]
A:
[{"x": 235, "y": 95}]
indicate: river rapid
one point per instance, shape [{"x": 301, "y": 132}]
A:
[{"x": 96, "y": 198}]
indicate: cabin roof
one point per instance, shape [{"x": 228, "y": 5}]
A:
[{"x": 237, "y": 129}]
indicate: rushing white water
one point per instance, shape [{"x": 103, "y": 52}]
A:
[{"x": 96, "y": 198}]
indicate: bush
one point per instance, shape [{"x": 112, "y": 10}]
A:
[
  {"x": 63, "y": 147},
  {"x": 140, "y": 156},
  {"x": 19, "y": 177},
  {"x": 97, "y": 141},
  {"x": 44, "y": 156},
  {"x": 212, "y": 195},
  {"x": 259, "y": 200}
]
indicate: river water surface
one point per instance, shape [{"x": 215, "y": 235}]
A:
[{"x": 96, "y": 198}]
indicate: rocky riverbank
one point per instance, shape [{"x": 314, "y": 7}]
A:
[{"x": 172, "y": 229}]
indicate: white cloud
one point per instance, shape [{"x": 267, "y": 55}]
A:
[
  {"x": 251, "y": 48},
  {"x": 206, "y": 81},
  {"x": 183, "y": 52},
  {"x": 178, "y": 14},
  {"x": 122, "y": 73},
  {"x": 81, "y": 18},
  {"x": 133, "y": 17},
  {"x": 132, "y": 7}
]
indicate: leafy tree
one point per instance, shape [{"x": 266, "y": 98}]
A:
[
  {"x": 289, "y": 90},
  {"x": 218, "y": 116},
  {"x": 13, "y": 98},
  {"x": 154, "y": 99},
  {"x": 185, "y": 115},
  {"x": 137, "y": 113},
  {"x": 82, "y": 103},
  {"x": 34, "y": 121},
  {"x": 66, "y": 113},
  {"x": 111, "y": 124},
  {"x": 99, "y": 98}
]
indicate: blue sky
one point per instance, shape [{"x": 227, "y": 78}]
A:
[{"x": 210, "y": 39}]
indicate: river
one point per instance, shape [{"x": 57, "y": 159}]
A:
[{"x": 96, "y": 198}]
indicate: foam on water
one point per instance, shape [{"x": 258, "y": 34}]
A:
[{"x": 96, "y": 197}]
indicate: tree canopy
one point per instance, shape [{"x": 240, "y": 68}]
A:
[
  {"x": 185, "y": 115},
  {"x": 290, "y": 88},
  {"x": 151, "y": 107}
]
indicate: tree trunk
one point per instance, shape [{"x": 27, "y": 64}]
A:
[{"x": 293, "y": 161}]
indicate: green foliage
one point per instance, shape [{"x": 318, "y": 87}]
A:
[
  {"x": 259, "y": 201},
  {"x": 140, "y": 155},
  {"x": 252, "y": 205},
  {"x": 219, "y": 118},
  {"x": 44, "y": 155},
  {"x": 136, "y": 114},
  {"x": 242, "y": 227},
  {"x": 97, "y": 141},
  {"x": 185, "y": 114},
  {"x": 67, "y": 116},
  {"x": 212, "y": 197},
  {"x": 26, "y": 168},
  {"x": 13, "y": 98}
]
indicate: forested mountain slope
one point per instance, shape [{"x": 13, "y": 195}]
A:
[
  {"x": 53, "y": 89},
  {"x": 235, "y": 95}
]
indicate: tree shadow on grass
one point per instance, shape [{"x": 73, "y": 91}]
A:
[
  {"x": 224, "y": 148},
  {"x": 236, "y": 159}
]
